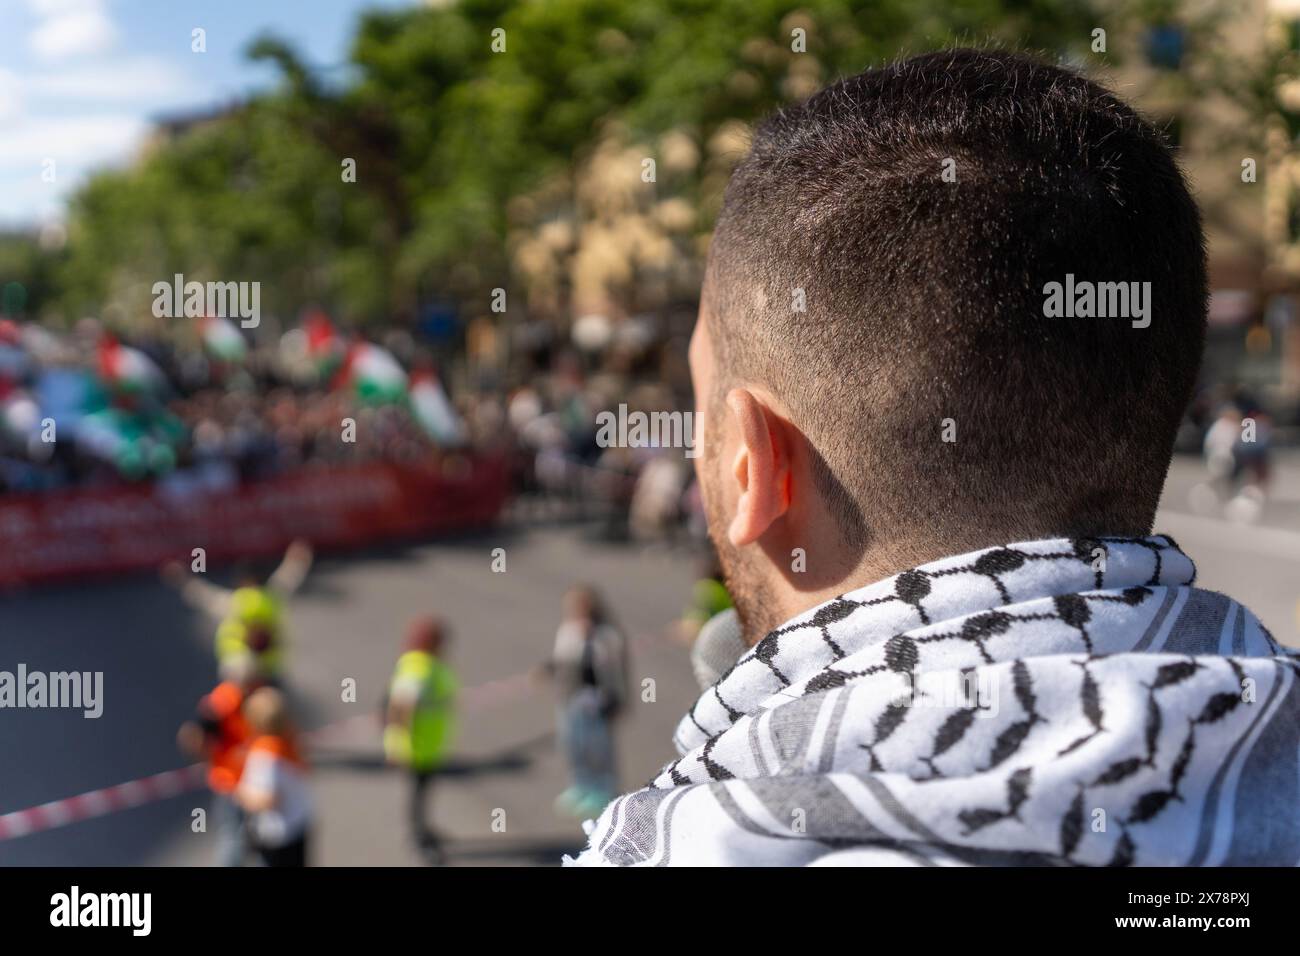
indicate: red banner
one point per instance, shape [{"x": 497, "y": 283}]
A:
[{"x": 91, "y": 532}]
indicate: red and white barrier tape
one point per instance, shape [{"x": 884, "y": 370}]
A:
[
  {"x": 133, "y": 793},
  {"x": 169, "y": 783},
  {"x": 97, "y": 803}
]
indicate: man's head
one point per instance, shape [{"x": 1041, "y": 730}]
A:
[{"x": 878, "y": 381}]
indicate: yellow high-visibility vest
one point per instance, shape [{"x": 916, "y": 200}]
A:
[
  {"x": 252, "y": 608},
  {"x": 424, "y": 741}
]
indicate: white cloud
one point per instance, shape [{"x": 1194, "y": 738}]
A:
[
  {"x": 53, "y": 8},
  {"x": 70, "y": 28},
  {"x": 133, "y": 79},
  {"x": 74, "y": 141},
  {"x": 11, "y": 96},
  {"x": 79, "y": 145}
]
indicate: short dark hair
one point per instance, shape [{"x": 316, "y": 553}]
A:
[{"x": 924, "y": 297}]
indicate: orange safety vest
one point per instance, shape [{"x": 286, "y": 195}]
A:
[
  {"x": 226, "y": 759},
  {"x": 282, "y": 747}
]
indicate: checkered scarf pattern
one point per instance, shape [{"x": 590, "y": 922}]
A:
[{"x": 1068, "y": 702}]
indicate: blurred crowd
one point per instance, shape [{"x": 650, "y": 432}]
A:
[
  {"x": 87, "y": 408},
  {"x": 90, "y": 408},
  {"x": 251, "y": 435},
  {"x": 549, "y": 414}
]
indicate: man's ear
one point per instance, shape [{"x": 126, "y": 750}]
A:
[{"x": 761, "y": 468}]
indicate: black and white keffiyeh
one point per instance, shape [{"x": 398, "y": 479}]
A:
[{"x": 1048, "y": 702}]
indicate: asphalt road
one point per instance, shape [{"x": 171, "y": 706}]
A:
[
  {"x": 348, "y": 623},
  {"x": 1257, "y": 564}
]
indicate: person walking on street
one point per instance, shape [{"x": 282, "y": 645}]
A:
[
  {"x": 220, "y": 734},
  {"x": 419, "y": 722},
  {"x": 589, "y": 667},
  {"x": 273, "y": 789}
]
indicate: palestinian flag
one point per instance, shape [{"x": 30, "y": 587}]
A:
[
  {"x": 434, "y": 412},
  {"x": 127, "y": 370},
  {"x": 135, "y": 445},
  {"x": 223, "y": 340},
  {"x": 325, "y": 347},
  {"x": 374, "y": 374}
]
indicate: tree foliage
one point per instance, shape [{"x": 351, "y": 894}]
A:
[{"x": 462, "y": 153}]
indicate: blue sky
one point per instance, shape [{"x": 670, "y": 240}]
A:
[{"x": 80, "y": 80}]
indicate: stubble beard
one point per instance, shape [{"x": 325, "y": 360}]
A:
[{"x": 751, "y": 595}]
